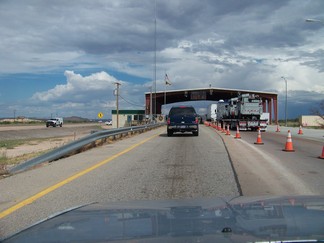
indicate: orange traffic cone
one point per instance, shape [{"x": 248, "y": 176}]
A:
[
  {"x": 300, "y": 132},
  {"x": 228, "y": 131},
  {"x": 278, "y": 128},
  {"x": 223, "y": 129},
  {"x": 259, "y": 140},
  {"x": 238, "y": 135},
  {"x": 322, "y": 156},
  {"x": 289, "y": 144}
]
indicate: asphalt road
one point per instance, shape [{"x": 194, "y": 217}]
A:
[
  {"x": 152, "y": 166},
  {"x": 149, "y": 166}
]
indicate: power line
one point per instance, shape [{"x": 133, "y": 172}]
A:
[{"x": 130, "y": 102}]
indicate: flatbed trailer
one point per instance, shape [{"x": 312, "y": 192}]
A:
[{"x": 245, "y": 125}]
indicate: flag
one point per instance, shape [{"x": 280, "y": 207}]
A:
[{"x": 167, "y": 80}]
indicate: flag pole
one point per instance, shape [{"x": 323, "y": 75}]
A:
[
  {"x": 166, "y": 82},
  {"x": 165, "y": 87}
]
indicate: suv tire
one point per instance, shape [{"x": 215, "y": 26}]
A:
[{"x": 170, "y": 133}]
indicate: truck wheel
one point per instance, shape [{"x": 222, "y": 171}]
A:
[
  {"x": 170, "y": 133},
  {"x": 196, "y": 133},
  {"x": 61, "y": 125}
]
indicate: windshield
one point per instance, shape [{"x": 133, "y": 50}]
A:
[
  {"x": 155, "y": 101},
  {"x": 189, "y": 111}
]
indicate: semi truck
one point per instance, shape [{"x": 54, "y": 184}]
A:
[{"x": 244, "y": 111}]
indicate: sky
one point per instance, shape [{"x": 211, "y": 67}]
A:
[{"x": 62, "y": 58}]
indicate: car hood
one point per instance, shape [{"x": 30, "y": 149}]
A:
[{"x": 239, "y": 219}]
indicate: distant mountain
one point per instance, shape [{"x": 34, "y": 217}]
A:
[{"x": 75, "y": 119}]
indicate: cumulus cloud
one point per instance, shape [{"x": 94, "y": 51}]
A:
[
  {"x": 87, "y": 95},
  {"x": 78, "y": 87}
]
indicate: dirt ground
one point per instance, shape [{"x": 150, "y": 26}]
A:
[
  {"x": 35, "y": 146},
  {"x": 38, "y": 139}
]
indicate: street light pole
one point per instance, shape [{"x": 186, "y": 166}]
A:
[
  {"x": 286, "y": 101},
  {"x": 155, "y": 111},
  {"x": 117, "y": 108}
]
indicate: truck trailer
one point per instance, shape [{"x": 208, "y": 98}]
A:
[{"x": 211, "y": 112}]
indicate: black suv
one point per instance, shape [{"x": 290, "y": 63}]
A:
[{"x": 183, "y": 119}]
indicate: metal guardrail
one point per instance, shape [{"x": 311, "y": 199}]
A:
[{"x": 76, "y": 146}]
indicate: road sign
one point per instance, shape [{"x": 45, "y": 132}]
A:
[{"x": 100, "y": 115}]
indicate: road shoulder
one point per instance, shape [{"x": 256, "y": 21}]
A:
[{"x": 260, "y": 173}]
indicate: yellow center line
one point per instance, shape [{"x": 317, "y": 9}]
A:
[{"x": 69, "y": 179}]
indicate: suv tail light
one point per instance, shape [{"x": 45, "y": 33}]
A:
[{"x": 168, "y": 121}]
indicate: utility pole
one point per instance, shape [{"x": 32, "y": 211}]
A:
[
  {"x": 117, "y": 108},
  {"x": 151, "y": 109}
]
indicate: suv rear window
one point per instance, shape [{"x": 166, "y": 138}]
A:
[{"x": 182, "y": 111}]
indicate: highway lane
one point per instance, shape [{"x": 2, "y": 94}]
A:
[
  {"x": 266, "y": 169},
  {"x": 21, "y": 127},
  {"x": 149, "y": 166},
  {"x": 41, "y": 131}
]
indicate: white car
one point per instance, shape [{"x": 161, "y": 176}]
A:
[
  {"x": 55, "y": 122},
  {"x": 109, "y": 123}
]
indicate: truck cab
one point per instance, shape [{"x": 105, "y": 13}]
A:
[
  {"x": 249, "y": 106},
  {"x": 232, "y": 108}
]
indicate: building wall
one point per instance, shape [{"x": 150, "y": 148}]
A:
[
  {"x": 313, "y": 121},
  {"x": 125, "y": 121},
  {"x": 122, "y": 118}
]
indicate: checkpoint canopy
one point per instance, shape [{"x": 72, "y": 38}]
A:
[{"x": 269, "y": 99}]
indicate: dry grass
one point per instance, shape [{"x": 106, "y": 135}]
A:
[
  {"x": 11, "y": 144},
  {"x": 6, "y": 145},
  {"x": 16, "y": 160},
  {"x": 6, "y": 161}
]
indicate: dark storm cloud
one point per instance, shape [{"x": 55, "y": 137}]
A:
[
  {"x": 89, "y": 26},
  {"x": 316, "y": 60},
  {"x": 114, "y": 26},
  {"x": 103, "y": 27},
  {"x": 301, "y": 102}
]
